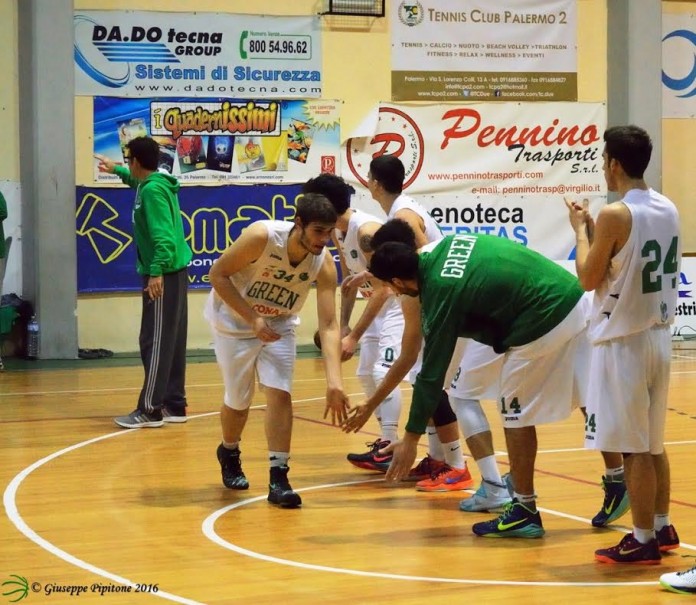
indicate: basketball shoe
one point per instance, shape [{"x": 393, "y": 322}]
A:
[
  {"x": 667, "y": 538},
  {"x": 427, "y": 467},
  {"x": 279, "y": 490},
  {"x": 683, "y": 582},
  {"x": 516, "y": 521},
  {"x": 230, "y": 461},
  {"x": 615, "y": 505},
  {"x": 372, "y": 460},
  {"x": 489, "y": 497},
  {"x": 629, "y": 550},
  {"x": 447, "y": 479}
]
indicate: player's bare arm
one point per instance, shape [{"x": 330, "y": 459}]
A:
[
  {"x": 411, "y": 341},
  {"x": 247, "y": 249},
  {"x": 611, "y": 231},
  {"x": 336, "y": 400}
]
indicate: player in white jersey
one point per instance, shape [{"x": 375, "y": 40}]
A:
[
  {"x": 631, "y": 259},
  {"x": 259, "y": 286},
  {"x": 380, "y": 338}
]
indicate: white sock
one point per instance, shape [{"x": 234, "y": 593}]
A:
[
  {"x": 435, "y": 448},
  {"x": 643, "y": 535},
  {"x": 529, "y": 500},
  {"x": 661, "y": 521},
  {"x": 278, "y": 458},
  {"x": 230, "y": 446},
  {"x": 488, "y": 467},
  {"x": 615, "y": 474},
  {"x": 454, "y": 455}
]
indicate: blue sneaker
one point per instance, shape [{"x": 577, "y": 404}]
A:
[
  {"x": 615, "y": 505},
  {"x": 489, "y": 497},
  {"x": 516, "y": 521}
]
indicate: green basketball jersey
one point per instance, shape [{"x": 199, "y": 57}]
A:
[{"x": 491, "y": 290}]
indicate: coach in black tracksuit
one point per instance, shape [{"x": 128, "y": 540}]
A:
[{"x": 163, "y": 256}]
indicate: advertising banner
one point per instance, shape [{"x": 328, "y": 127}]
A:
[
  {"x": 519, "y": 50},
  {"x": 678, "y": 65},
  {"x": 213, "y": 218},
  {"x": 500, "y": 168},
  {"x": 148, "y": 54},
  {"x": 229, "y": 140}
]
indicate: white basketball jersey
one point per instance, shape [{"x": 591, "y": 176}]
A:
[
  {"x": 356, "y": 262},
  {"x": 432, "y": 229},
  {"x": 350, "y": 246},
  {"x": 641, "y": 290},
  {"x": 270, "y": 285}
]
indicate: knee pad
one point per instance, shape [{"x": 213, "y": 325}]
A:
[
  {"x": 472, "y": 420},
  {"x": 443, "y": 414}
]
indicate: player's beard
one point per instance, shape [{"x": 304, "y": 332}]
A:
[{"x": 306, "y": 244}]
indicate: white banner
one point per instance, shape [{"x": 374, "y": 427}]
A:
[
  {"x": 678, "y": 66},
  {"x": 509, "y": 50},
  {"x": 500, "y": 168},
  {"x": 685, "y": 320},
  {"x": 148, "y": 54}
]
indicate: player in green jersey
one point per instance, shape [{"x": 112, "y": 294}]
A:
[{"x": 515, "y": 300}]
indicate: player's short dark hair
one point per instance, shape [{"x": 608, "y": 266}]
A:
[
  {"x": 394, "y": 260},
  {"x": 146, "y": 150},
  {"x": 389, "y": 172},
  {"x": 315, "y": 208},
  {"x": 631, "y": 147},
  {"x": 333, "y": 187},
  {"x": 394, "y": 230}
]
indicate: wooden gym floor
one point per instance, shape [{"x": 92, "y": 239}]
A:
[{"x": 91, "y": 508}]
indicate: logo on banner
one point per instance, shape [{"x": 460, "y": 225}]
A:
[
  {"x": 411, "y": 13},
  {"x": 683, "y": 281},
  {"x": 397, "y": 135},
  {"x": 328, "y": 164},
  {"x": 105, "y": 53},
  {"x": 685, "y": 85}
]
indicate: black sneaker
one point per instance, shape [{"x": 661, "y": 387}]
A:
[
  {"x": 372, "y": 460},
  {"x": 173, "y": 416},
  {"x": 279, "y": 490},
  {"x": 140, "y": 420},
  {"x": 231, "y": 467}
]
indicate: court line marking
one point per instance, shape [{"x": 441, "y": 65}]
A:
[
  {"x": 9, "y": 500},
  {"x": 10, "y": 504},
  {"x": 208, "y": 528}
]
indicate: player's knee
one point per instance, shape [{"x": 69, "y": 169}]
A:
[
  {"x": 444, "y": 414},
  {"x": 472, "y": 419},
  {"x": 237, "y": 404}
]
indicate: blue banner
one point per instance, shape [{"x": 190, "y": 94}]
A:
[{"x": 213, "y": 219}]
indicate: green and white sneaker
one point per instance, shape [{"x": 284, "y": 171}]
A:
[{"x": 516, "y": 521}]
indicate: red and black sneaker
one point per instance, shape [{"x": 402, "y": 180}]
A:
[
  {"x": 629, "y": 550},
  {"x": 372, "y": 460}
]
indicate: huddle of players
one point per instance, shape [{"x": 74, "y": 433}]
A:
[{"x": 277, "y": 263}]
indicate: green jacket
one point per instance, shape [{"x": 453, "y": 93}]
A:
[
  {"x": 157, "y": 225},
  {"x": 3, "y": 216}
]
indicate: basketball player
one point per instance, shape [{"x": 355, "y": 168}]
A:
[
  {"x": 259, "y": 285},
  {"x": 631, "y": 259}
]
